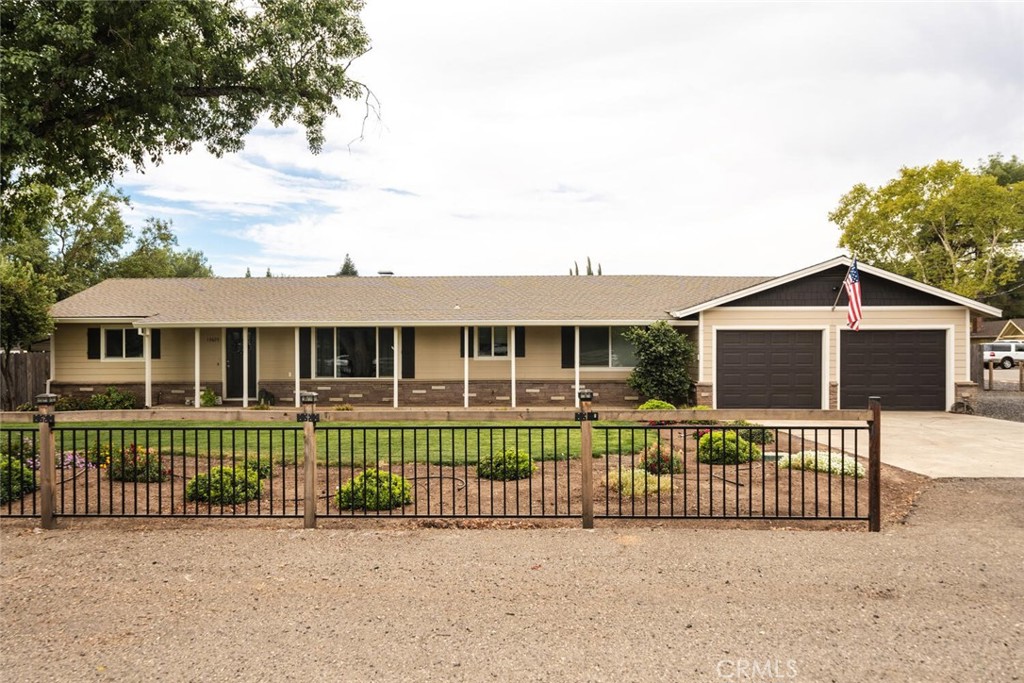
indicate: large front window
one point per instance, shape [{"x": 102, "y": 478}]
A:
[
  {"x": 354, "y": 352},
  {"x": 122, "y": 343},
  {"x": 606, "y": 347},
  {"x": 491, "y": 342}
]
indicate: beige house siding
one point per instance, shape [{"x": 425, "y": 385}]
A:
[
  {"x": 276, "y": 346},
  {"x": 833, "y": 324}
]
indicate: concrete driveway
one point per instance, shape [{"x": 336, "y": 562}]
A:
[{"x": 947, "y": 445}]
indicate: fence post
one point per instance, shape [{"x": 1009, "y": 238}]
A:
[
  {"x": 44, "y": 402},
  {"x": 308, "y": 417},
  {"x": 586, "y": 457},
  {"x": 875, "y": 465}
]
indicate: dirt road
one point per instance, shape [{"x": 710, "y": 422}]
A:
[{"x": 939, "y": 598}]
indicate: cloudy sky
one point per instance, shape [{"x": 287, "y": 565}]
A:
[{"x": 654, "y": 137}]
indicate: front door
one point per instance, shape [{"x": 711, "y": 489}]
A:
[{"x": 233, "y": 362}]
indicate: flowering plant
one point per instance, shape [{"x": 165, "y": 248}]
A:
[{"x": 136, "y": 463}]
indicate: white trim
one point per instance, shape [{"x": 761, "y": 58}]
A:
[
  {"x": 124, "y": 343},
  {"x": 53, "y": 357},
  {"x": 142, "y": 322},
  {"x": 197, "y": 363},
  {"x": 832, "y": 263},
  {"x": 700, "y": 347},
  {"x": 823, "y": 329},
  {"x": 396, "y": 362},
  {"x": 245, "y": 367},
  {"x": 224, "y": 363},
  {"x": 512, "y": 357},
  {"x": 298, "y": 366},
  {"x": 950, "y": 355},
  {"x": 576, "y": 365},
  {"x": 465, "y": 366},
  {"x": 967, "y": 347},
  {"x": 818, "y": 309},
  {"x": 147, "y": 357}
]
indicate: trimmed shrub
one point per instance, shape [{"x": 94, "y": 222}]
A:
[
  {"x": 112, "y": 399},
  {"x": 70, "y": 403},
  {"x": 16, "y": 480},
  {"x": 511, "y": 464},
  {"x": 374, "y": 489},
  {"x": 225, "y": 486},
  {"x": 135, "y": 463},
  {"x": 207, "y": 399},
  {"x": 726, "y": 447},
  {"x": 661, "y": 459},
  {"x": 637, "y": 483},
  {"x": 261, "y": 466},
  {"x": 823, "y": 461},
  {"x": 754, "y": 433},
  {"x": 655, "y": 404}
]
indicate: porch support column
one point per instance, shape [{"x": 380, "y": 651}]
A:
[
  {"x": 298, "y": 370},
  {"x": 195, "y": 363},
  {"x": 245, "y": 367},
  {"x": 512, "y": 355},
  {"x": 53, "y": 358},
  {"x": 147, "y": 355},
  {"x": 465, "y": 367},
  {"x": 576, "y": 365},
  {"x": 396, "y": 364}
]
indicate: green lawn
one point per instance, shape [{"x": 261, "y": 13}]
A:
[{"x": 451, "y": 443}]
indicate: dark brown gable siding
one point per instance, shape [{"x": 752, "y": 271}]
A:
[{"x": 821, "y": 288}]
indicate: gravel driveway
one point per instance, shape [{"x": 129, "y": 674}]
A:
[{"x": 940, "y": 598}]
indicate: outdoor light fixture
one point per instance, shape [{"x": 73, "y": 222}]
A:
[
  {"x": 308, "y": 401},
  {"x": 46, "y": 399},
  {"x": 308, "y": 398},
  {"x": 586, "y": 395}
]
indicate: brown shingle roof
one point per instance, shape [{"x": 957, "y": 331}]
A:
[{"x": 396, "y": 300}]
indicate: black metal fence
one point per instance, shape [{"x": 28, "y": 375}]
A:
[{"x": 529, "y": 471}]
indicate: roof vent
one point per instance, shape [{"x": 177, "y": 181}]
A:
[{"x": 385, "y": 272}]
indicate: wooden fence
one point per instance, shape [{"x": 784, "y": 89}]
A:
[{"x": 29, "y": 372}]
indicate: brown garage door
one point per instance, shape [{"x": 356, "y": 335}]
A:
[
  {"x": 907, "y": 368},
  {"x": 769, "y": 369}
]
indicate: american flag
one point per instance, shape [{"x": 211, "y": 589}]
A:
[{"x": 852, "y": 284}]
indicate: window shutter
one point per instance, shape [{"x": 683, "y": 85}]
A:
[
  {"x": 154, "y": 344},
  {"x": 568, "y": 347},
  {"x": 93, "y": 343},
  {"x": 408, "y": 353},
  {"x": 520, "y": 342},
  {"x": 305, "y": 362}
]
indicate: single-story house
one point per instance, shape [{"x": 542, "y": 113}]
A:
[
  {"x": 1011, "y": 329},
  {"x": 764, "y": 342}
]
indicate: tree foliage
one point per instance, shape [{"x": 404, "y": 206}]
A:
[
  {"x": 940, "y": 224},
  {"x": 94, "y": 87},
  {"x": 155, "y": 255},
  {"x": 348, "y": 268},
  {"x": 24, "y": 315},
  {"x": 663, "y": 361}
]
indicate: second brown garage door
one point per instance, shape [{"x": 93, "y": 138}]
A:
[
  {"x": 768, "y": 369},
  {"x": 906, "y": 368}
]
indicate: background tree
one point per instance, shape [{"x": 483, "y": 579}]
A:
[
  {"x": 155, "y": 255},
  {"x": 663, "y": 361},
  {"x": 348, "y": 268},
  {"x": 1010, "y": 298},
  {"x": 590, "y": 268},
  {"x": 941, "y": 224},
  {"x": 24, "y": 316}
]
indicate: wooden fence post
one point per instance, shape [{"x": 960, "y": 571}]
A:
[
  {"x": 875, "y": 465},
  {"x": 586, "y": 457},
  {"x": 308, "y": 417},
  {"x": 47, "y": 471}
]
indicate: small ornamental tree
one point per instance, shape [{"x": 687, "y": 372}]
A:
[{"x": 663, "y": 360}]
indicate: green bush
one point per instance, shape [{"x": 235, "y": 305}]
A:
[
  {"x": 637, "y": 483},
  {"x": 22, "y": 449},
  {"x": 261, "y": 466},
  {"x": 71, "y": 403},
  {"x": 661, "y": 459},
  {"x": 726, "y": 447},
  {"x": 15, "y": 479},
  {"x": 655, "y": 404},
  {"x": 207, "y": 399},
  {"x": 134, "y": 463},
  {"x": 225, "y": 486},
  {"x": 374, "y": 490},
  {"x": 112, "y": 399},
  {"x": 511, "y": 464},
  {"x": 754, "y": 433},
  {"x": 664, "y": 356}
]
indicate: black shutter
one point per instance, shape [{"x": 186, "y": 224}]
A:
[
  {"x": 408, "y": 353},
  {"x": 520, "y": 342},
  {"x": 154, "y": 344},
  {"x": 305, "y": 362},
  {"x": 93, "y": 343},
  {"x": 568, "y": 347}
]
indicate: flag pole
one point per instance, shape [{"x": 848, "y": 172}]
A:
[{"x": 841, "y": 288}]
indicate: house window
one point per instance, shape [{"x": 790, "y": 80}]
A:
[
  {"x": 120, "y": 343},
  {"x": 606, "y": 347},
  {"x": 492, "y": 342},
  {"x": 354, "y": 352}
]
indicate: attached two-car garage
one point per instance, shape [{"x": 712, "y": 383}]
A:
[{"x": 784, "y": 369}]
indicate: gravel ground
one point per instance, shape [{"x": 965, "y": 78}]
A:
[
  {"x": 939, "y": 598},
  {"x": 1001, "y": 405}
]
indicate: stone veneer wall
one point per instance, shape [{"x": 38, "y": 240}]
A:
[{"x": 164, "y": 393}]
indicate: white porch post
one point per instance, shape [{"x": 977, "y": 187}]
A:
[
  {"x": 465, "y": 367},
  {"x": 147, "y": 355},
  {"x": 298, "y": 369},
  {"x": 396, "y": 364},
  {"x": 195, "y": 363},
  {"x": 512, "y": 354},
  {"x": 53, "y": 358},
  {"x": 245, "y": 367},
  {"x": 576, "y": 366}
]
